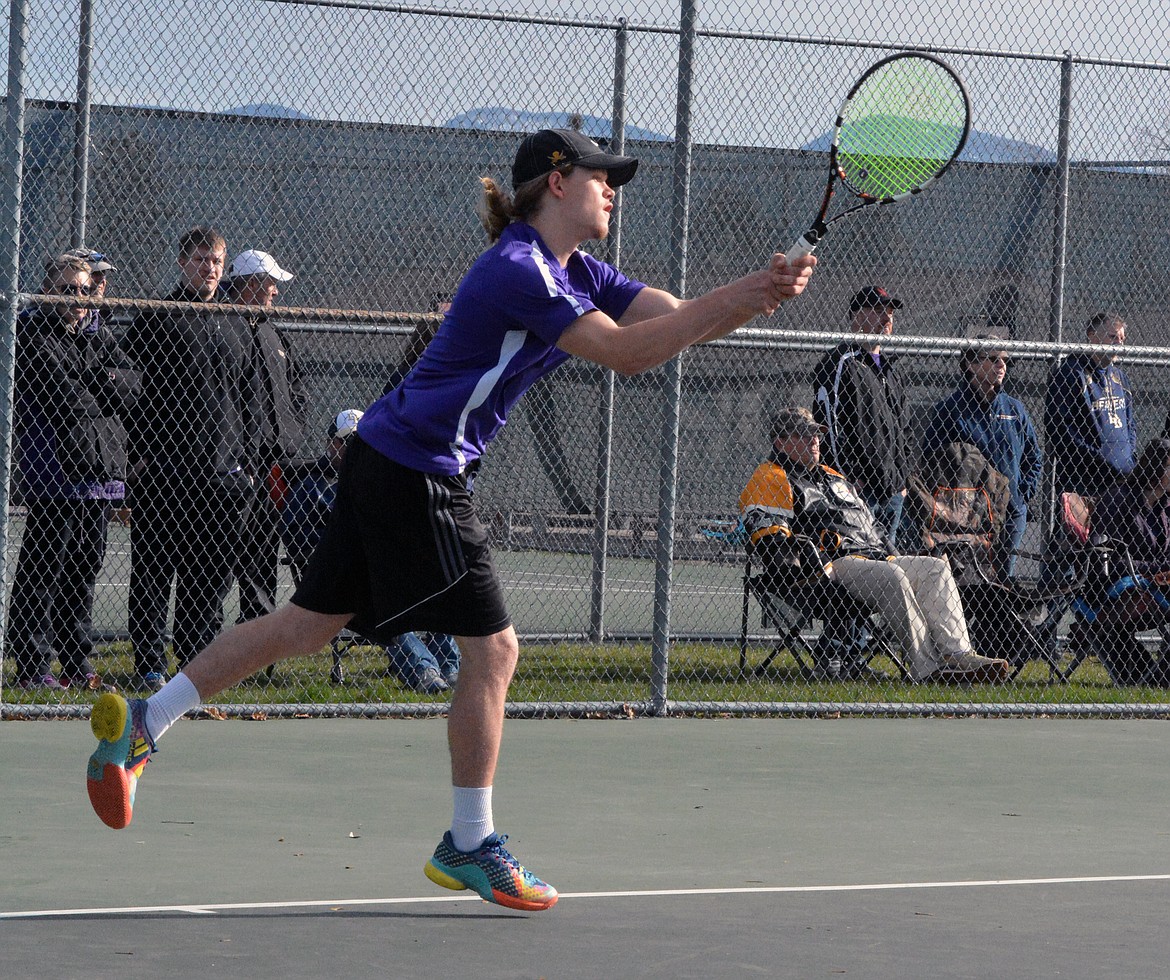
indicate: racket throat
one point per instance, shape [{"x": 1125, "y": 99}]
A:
[{"x": 807, "y": 242}]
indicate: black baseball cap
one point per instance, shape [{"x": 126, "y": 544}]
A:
[
  {"x": 542, "y": 152},
  {"x": 794, "y": 421},
  {"x": 873, "y": 297}
]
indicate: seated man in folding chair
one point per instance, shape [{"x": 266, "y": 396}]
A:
[
  {"x": 792, "y": 495},
  {"x": 1134, "y": 517}
]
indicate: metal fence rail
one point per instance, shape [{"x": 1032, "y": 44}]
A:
[{"x": 346, "y": 139}]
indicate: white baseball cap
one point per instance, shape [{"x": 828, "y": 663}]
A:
[
  {"x": 256, "y": 263},
  {"x": 345, "y": 424}
]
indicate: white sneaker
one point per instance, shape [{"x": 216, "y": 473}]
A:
[{"x": 970, "y": 668}]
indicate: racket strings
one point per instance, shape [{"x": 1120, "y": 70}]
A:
[{"x": 900, "y": 128}]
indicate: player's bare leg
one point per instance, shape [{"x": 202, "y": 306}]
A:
[
  {"x": 126, "y": 730},
  {"x": 475, "y": 723},
  {"x": 288, "y": 632},
  {"x": 475, "y": 726}
]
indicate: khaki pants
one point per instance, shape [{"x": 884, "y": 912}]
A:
[{"x": 918, "y": 600}]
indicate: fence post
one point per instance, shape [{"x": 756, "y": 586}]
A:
[
  {"x": 81, "y": 124},
  {"x": 672, "y": 372},
  {"x": 605, "y": 422},
  {"x": 1060, "y": 217},
  {"x": 10, "y": 265},
  {"x": 1059, "y": 249}
]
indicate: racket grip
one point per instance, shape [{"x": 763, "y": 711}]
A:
[{"x": 805, "y": 245}]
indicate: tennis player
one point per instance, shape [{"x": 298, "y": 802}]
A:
[{"x": 530, "y": 302}]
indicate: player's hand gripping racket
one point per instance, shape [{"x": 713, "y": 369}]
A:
[{"x": 899, "y": 128}]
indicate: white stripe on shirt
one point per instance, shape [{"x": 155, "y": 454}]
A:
[
  {"x": 513, "y": 341},
  {"x": 549, "y": 282}
]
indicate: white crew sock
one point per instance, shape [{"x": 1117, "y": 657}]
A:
[
  {"x": 472, "y": 822},
  {"x": 167, "y": 705}
]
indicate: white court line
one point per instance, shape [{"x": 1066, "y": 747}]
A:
[{"x": 657, "y": 893}]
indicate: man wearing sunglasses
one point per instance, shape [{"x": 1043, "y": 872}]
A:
[
  {"x": 99, "y": 268},
  {"x": 73, "y": 384},
  {"x": 981, "y": 414}
]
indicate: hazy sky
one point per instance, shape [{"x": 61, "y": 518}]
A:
[{"x": 384, "y": 67}]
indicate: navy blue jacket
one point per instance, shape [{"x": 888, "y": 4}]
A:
[
  {"x": 307, "y": 504},
  {"x": 1089, "y": 425},
  {"x": 1001, "y": 430}
]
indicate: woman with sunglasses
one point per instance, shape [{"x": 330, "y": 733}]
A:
[{"x": 72, "y": 386}]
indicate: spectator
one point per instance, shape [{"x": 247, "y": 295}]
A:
[
  {"x": 427, "y": 663},
  {"x": 980, "y": 413},
  {"x": 72, "y": 386},
  {"x": 793, "y": 493},
  {"x": 274, "y": 426},
  {"x": 99, "y": 269},
  {"x": 188, "y": 448},
  {"x": 1088, "y": 414},
  {"x": 310, "y": 494},
  {"x": 1135, "y": 517},
  {"x": 859, "y": 397}
]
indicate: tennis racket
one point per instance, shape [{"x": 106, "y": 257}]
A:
[{"x": 898, "y": 130}]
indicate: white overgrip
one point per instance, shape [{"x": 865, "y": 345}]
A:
[{"x": 805, "y": 245}]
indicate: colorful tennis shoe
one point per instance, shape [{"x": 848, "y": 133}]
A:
[
  {"x": 491, "y": 872},
  {"x": 123, "y": 751}
]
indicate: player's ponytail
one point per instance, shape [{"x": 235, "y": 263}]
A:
[
  {"x": 495, "y": 208},
  {"x": 498, "y": 209}
]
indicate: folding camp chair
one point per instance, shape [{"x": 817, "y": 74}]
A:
[
  {"x": 1109, "y": 630},
  {"x": 851, "y": 638},
  {"x": 1115, "y": 605},
  {"x": 1014, "y": 620}
]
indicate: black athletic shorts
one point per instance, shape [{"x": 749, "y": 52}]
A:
[{"x": 402, "y": 551}]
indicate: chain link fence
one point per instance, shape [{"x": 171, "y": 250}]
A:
[{"x": 345, "y": 141}]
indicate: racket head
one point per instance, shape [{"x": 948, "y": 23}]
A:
[{"x": 900, "y": 127}]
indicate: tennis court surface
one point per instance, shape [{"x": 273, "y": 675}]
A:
[{"x": 681, "y": 847}]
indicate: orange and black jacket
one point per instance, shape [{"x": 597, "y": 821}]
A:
[{"x": 784, "y": 498}]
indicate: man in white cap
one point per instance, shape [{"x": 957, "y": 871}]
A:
[
  {"x": 253, "y": 279},
  {"x": 276, "y": 431}
]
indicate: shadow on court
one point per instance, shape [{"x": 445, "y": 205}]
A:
[{"x": 682, "y": 848}]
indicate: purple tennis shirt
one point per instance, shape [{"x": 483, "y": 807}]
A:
[{"x": 497, "y": 340}]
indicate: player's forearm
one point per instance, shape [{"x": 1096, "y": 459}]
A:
[
  {"x": 708, "y": 317},
  {"x": 657, "y": 326},
  {"x": 644, "y": 342}
]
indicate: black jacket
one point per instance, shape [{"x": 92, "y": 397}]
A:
[
  {"x": 193, "y": 416},
  {"x": 71, "y": 390},
  {"x": 864, "y": 408},
  {"x": 275, "y": 403}
]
